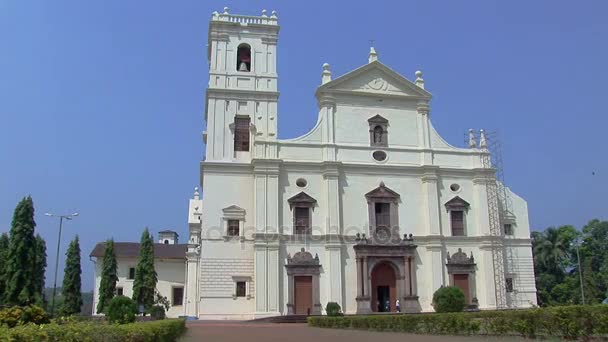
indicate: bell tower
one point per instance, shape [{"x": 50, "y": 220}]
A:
[{"x": 242, "y": 95}]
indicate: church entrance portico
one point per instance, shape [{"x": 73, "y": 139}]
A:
[
  {"x": 384, "y": 288},
  {"x": 386, "y": 271}
]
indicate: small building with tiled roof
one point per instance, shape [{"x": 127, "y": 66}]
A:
[{"x": 169, "y": 263}]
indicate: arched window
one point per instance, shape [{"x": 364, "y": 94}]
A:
[
  {"x": 243, "y": 58},
  {"x": 166, "y": 242},
  {"x": 378, "y": 131}
]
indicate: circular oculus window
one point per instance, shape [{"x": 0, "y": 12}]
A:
[
  {"x": 379, "y": 155},
  {"x": 301, "y": 182},
  {"x": 455, "y": 187}
]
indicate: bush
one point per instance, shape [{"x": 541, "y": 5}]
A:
[
  {"x": 448, "y": 299},
  {"x": 122, "y": 310},
  {"x": 570, "y": 322},
  {"x": 157, "y": 331},
  {"x": 17, "y": 315},
  {"x": 157, "y": 312},
  {"x": 333, "y": 309}
]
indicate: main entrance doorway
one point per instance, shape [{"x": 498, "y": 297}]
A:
[
  {"x": 303, "y": 295},
  {"x": 384, "y": 289}
]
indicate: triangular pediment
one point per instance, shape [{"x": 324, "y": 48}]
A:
[
  {"x": 457, "y": 203},
  {"x": 375, "y": 79},
  {"x": 377, "y": 119},
  {"x": 302, "y": 199},
  {"x": 233, "y": 209},
  {"x": 382, "y": 192}
]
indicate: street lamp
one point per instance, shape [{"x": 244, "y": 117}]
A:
[
  {"x": 580, "y": 271},
  {"x": 61, "y": 218}
]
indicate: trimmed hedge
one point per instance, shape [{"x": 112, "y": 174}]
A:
[
  {"x": 569, "y": 322},
  {"x": 167, "y": 330}
]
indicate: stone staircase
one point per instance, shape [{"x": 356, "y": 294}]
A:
[{"x": 281, "y": 319}]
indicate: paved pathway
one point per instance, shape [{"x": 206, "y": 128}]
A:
[{"x": 229, "y": 331}]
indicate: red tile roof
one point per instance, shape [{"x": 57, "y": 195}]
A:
[{"x": 131, "y": 250}]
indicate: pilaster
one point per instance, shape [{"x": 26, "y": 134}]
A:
[{"x": 431, "y": 202}]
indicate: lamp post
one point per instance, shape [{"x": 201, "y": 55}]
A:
[
  {"x": 61, "y": 218},
  {"x": 580, "y": 272}
]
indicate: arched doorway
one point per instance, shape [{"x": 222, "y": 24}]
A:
[{"x": 384, "y": 288}]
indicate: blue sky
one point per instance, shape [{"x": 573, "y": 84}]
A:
[{"x": 101, "y": 103}]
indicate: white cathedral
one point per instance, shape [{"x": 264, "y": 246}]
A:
[{"x": 369, "y": 207}]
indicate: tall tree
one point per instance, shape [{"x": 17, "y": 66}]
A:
[
  {"x": 3, "y": 258},
  {"x": 20, "y": 280},
  {"x": 145, "y": 280},
  {"x": 40, "y": 268},
  {"x": 72, "y": 280},
  {"x": 107, "y": 285}
]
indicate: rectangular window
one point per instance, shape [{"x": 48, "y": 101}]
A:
[
  {"x": 241, "y": 133},
  {"x": 178, "y": 296},
  {"x": 241, "y": 288},
  {"x": 131, "y": 273},
  {"x": 457, "y": 218},
  {"x": 119, "y": 291},
  {"x": 508, "y": 229},
  {"x": 233, "y": 227},
  {"x": 383, "y": 215},
  {"x": 509, "y": 284},
  {"x": 302, "y": 220}
]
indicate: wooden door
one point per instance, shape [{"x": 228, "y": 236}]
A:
[
  {"x": 462, "y": 281},
  {"x": 303, "y": 295}
]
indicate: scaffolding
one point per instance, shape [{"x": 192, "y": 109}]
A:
[{"x": 499, "y": 214}]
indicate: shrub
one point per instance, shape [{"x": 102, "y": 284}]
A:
[
  {"x": 122, "y": 310},
  {"x": 333, "y": 309},
  {"x": 570, "y": 322},
  {"x": 17, "y": 315},
  {"x": 159, "y": 331},
  {"x": 157, "y": 312},
  {"x": 448, "y": 299}
]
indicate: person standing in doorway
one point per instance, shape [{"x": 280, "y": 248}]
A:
[{"x": 398, "y": 305}]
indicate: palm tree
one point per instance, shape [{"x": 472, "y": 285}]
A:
[{"x": 552, "y": 248}]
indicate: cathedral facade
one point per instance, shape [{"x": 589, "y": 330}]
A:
[{"x": 370, "y": 208}]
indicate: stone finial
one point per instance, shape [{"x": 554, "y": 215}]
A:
[
  {"x": 326, "y": 74},
  {"x": 274, "y": 14},
  {"x": 215, "y": 14},
  {"x": 264, "y": 13},
  {"x": 226, "y": 9},
  {"x": 373, "y": 55},
  {"x": 483, "y": 143},
  {"x": 472, "y": 140},
  {"x": 382, "y": 184},
  {"x": 419, "y": 80},
  {"x": 196, "y": 194}
]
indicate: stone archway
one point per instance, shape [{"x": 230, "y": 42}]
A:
[{"x": 384, "y": 287}]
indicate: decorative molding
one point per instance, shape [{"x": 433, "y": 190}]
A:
[
  {"x": 457, "y": 203},
  {"x": 301, "y": 200}
]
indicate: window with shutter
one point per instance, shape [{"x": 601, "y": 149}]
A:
[
  {"x": 383, "y": 215},
  {"x": 241, "y": 133},
  {"x": 302, "y": 220},
  {"x": 241, "y": 289},
  {"x": 233, "y": 227},
  {"x": 457, "y": 218}
]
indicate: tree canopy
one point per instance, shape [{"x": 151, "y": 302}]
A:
[
  {"x": 72, "y": 280},
  {"x": 144, "y": 284},
  {"x": 109, "y": 277},
  {"x": 556, "y": 264}
]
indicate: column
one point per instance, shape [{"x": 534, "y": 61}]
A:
[
  {"x": 335, "y": 273},
  {"x": 261, "y": 304},
  {"x": 191, "y": 290},
  {"x": 480, "y": 207},
  {"x": 332, "y": 203},
  {"x": 431, "y": 201},
  {"x": 273, "y": 272},
  {"x": 360, "y": 290}
]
